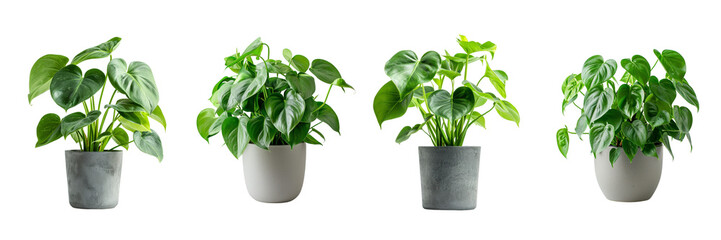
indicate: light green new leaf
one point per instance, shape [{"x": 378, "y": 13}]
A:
[
  {"x": 48, "y": 129},
  {"x": 135, "y": 81},
  {"x": 69, "y": 88},
  {"x": 42, "y": 72},
  {"x": 407, "y": 71},
  {"x": 139, "y": 123},
  {"x": 498, "y": 80},
  {"x": 158, "y": 116},
  {"x": 149, "y": 142},
  {"x": 562, "y": 141},
  {"x": 342, "y": 84},
  {"x": 75, "y": 121},
  {"x": 473, "y": 46},
  {"x": 388, "y": 103},
  {"x": 507, "y": 111},
  {"x": 452, "y": 107},
  {"x": 287, "y": 54},
  {"x": 205, "y": 120},
  {"x": 126, "y": 105},
  {"x": 479, "y": 119}
]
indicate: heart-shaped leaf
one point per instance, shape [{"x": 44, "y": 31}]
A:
[
  {"x": 69, "y": 88},
  {"x": 507, "y": 111},
  {"x": 663, "y": 89},
  {"x": 205, "y": 119},
  {"x": 99, "y": 51},
  {"x": 48, "y": 129},
  {"x": 149, "y": 142},
  {"x": 498, "y": 80},
  {"x": 629, "y": 148},
  {"x": 324, "y": 71},
  {"x": 285, "y": 112},
  {"x": 684, "y": 119},
  {"x": 42, "y": 73},
  {"x": 613, "y": 155},
  {"x": 598, "y": 101},
  {"x": 687, "y": 93},
  {"x": 407, "y": 71},
  {"x": 629, "y": 99},
  {"x": 388, "y": 103},
  {"x": 581, "y": 125},
  {"x": 673, "y": 62},
  {"x": 452, "y": 107},
  {"x": 135, "y": 81},
  {"x": 596, "y": 71},
  {"x": 301, "y": 83},
  {"x": 637, "y": 132},
  {"x": 601, "y": 136},
  {"x": 562, "y": 141},
  {"x": 300, "y": 63},
  {"x": 135, "y": 121},
  {"x": 638, "y": 67},
  {"x": 656, "y": 112},
  {"x": 261, "y": 131},
  {"x": 328, "y": 116},
  {"x": 299, "y": 133},
  {"x": 75, "y": 121},
  {"x": 235, "y": 134},
  {"x": 121, "y": 137}
]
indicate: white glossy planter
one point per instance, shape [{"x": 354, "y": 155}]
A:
[
  {"x": 629, "y": 181},
  {"x": 274, "y": 175}
]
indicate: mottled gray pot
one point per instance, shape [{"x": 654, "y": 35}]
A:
[
  {"x": 93, "y": 178},
  {"x": 629, "y": 181},
  {"x": 449, "y": 177},
  {"x": 274, "y": 175}
]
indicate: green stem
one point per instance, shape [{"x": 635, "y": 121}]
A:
[
  {"x": 120, "y": 145},
  {"x": 489, "y": 110},
  {"x": 107, "y": 110},
  {"x": 654, "y": 65},
  {"x": 326, "y": 98}
]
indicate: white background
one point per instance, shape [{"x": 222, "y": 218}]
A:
[{"x": 361, "y": 185}]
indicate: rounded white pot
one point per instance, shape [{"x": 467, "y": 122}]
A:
[
  {"x": 629, "y": 181},
  {"x": 274, "y": 175}
]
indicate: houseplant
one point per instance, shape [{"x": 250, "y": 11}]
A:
[
  {"x": 449, "y": 171},
  {"x": 93, "y": 171},
  {"x": 274, "y": 106},
  {"x": 629, "y": 123}
]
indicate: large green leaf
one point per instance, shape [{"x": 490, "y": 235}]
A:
[
  {"x": 69, "y": 88},
  {"x": 656, "y": 112},
  {"x": 48, "y": 129},
  {"x": 638, "y": 67},
  {"x": 452, "y": 107},
  {"x": 673, "y": 62},
  {"x": 235, "y": 134},
  {"x": 562, "y": 141},
  {"x": 261, "y": 131},
  {"x": 75, "y": 121},
  {"x": 388, "y": 103},
  {"x": 601, "y": 136},
  {"x": 407, "y": 71},
  {"x": 205, "y": 120},
  {"x": 684, "y": 119},
  {"x": 100, "y": 51},
  {"x": 507, "y": 111},
  {"x": 301, "y": 83},
  {"x": 687, "y": 93},
  {"x": 498, "y": 80},
  {"x": 135, "y": 81},
  {"x": 662, "y": 89},
  {"x": 42, "y": 72},
  {"x": 596, "y": 71},
  {"x": 328, "y": 116},
  {"x": 121, "y": 137},
  {"x": 149, "y": 142},
  {"x": 324, "y": 71},
  {"x": 598, "y": 101},
  {"x": 637, "y": 132},
  {"x": 629, "y": 99},
  {"x": 285, "y": 112},
  {"x": 299, "y": 133}
]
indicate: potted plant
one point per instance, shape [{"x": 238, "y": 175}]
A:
[
  {"x": 93, "y": 171},
  {"x": 449, "y": 170},
  {"x": 628, "y": 124},
  {"x": 274, "y": 106}
]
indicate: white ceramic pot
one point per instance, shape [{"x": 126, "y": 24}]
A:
[
  {"x": 274, "y": 175},
  {"x": 629, "y": 181}
]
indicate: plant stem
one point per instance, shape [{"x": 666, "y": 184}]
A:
[
  {"x": 326, "y": 98},
  {"x": 654, "y": 65}
]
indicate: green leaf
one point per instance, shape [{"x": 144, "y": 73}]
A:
[
  {"x": 255, "y": 85},
  {"x": 581, "y": 126},
  {"x": 218, "y": 124},
  {"x": 205, "y": 120},
  {"x": 285, "y": 113},
  {"x": 99, "y": 51},
  {"x": 69, "y": 88},
  {"x": 638, "y": 67},
  {"x": 498, "y": 80},
  {"x": 42, "y": 73},
  {"x": 407, "y": 131},
  {"x": 287, "y": 54},
  {"x": 613, "y": 155},
  {"x": 479, "y": 119},
  {"x": 629, "y": 148},
  {"x": 562, "y": 141},
  {"x": 276, "y": 66},
  {"x": 507, "y": 111},
  {"x": 570, "y": 88},
  {"x": 254, "y": 49},
  {"x": 103, "y": 137},
  {"x": 596, "y": 71},
  {"x": 637, "y": 132},
  {"x": 328, "y": 116},
  {"x": 324, "y": 71},
  {"x": 629, "y": 100},
  {"x": 452, "y": 107},
  {"x": 301, "y": 83},
  {"x": 601, "y": 137},
  {"x": 158, "y": 116},
  {"x": 261, "y": 131},
  {"x": 684, "y": 119},
  {"x": 687, "y": 93},
  {"x": 126, "y": 105},
  {"x": 299, "y": 133},
  {"x": 667, "y": 144},
  {"x": 48, "y": 129},
  {"x": 75, "y": 121},
  {"x": 649, "y": 150},
  {"x": 300, "y": 63},
  {"x": 597, "y": 102},
  {"x": 121, "y": 137},
  {"x": 673, "y": 62},
  {"x": 663, "y": 89},
  {"x": 407, "y": 71},
  {"x": 388, "y": 103},
  {"x": 657, "y": 113},
  {"x": 149, "y": 142},
  {"x": 472, "y": 46},
  {"x": 342, "y": 84},
  {"x": 236, "y": 135},
  {"x": 142, "y": 126},
  {"x": 237, "y": 92},
  {"x": 310, "y": 113},
  {"x": 135, "y": 81}
]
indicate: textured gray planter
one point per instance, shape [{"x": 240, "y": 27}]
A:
[
  {"x": 449, "y": 177},
  {"x": 93, "y": 178},
  {"x": 274, "y": 175},
  {"x": 629, "y": 181}
]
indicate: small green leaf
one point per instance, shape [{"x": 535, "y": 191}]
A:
[
  {"x": 407, "y": 131},
  {"x": 581, "y": 126},
  {"x": 613, "y": 155},
  {"x": 300, "y": 63},
  {"x": 298, "y": 134},
  {"x": 301, "y": 83},
  {"x": 629, "y": 148},
  {"x": 562, "y": 141},
  {"x": 143, "y": 126},
  {"x": 324, "y": 71},
  {"x": 472, "y": 46},
  {"x": 684, "y": 119},
  {"x": 287, "y": 54},
  {"x": 48, "y": 129},
  {"x": 100, "y": 51},
  {"x": 236, "y": 135},
  {"x": 126, "y": 105},
  {"x": 507, "y": 111},
  {"x": 388, "y": 103},
  {"x": 667, "y": 144},
  {"x": 650, "y": 150},
  {"x": 42, "y": 73},
  {"x": 205, "y": 120},
  {"x": 149, "y": 142},
  {"x": 75, "y": 121},
  {"x": 596, "y": 71},
  {"x": 601, "y": 137},
  {"x": 498, "y": 80},
  {"x": 121, "y": 137},
  {"x": 342, "y": 84},
  {"x": 479, "y": 119}
]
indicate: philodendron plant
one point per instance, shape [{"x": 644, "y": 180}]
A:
[
  {"x": 69, "y": 88},
  {"x": 268, "y": 102},
  {"x": 639, "y": 114},
  {"x": 446, "y": 116}
]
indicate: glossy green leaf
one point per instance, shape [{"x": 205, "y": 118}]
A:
[
  {"x": 498, "y": 80},
  {"x": 597, "y": 102},
  {"x": 507, "y": 111},
  {"x": 69, "y": 88},
  {"x": 342, "y": 84},
  {"x": 158, "y": 116},
  {"x": 684, "y": 119},
  {"x": 287, "y": 54},
  {"x": 100, "y": 51},
  {"x": 126, "y": 105},
  {"x": 613, "y": 117},
  {"x": 48, "y": 129},
  {"x": 285, "y": 112},
  {"x": 687, "y": 93},
  {"x": 236, "y": 135},
  {"x": 205, "y": 120},
  {"x": 650, "y": 150},
  {"x": 256, "y": 84},
  {"x": 629, "y": 99},
  {"x": 261, "y": 131},
  {"x": 254, "y": 49},
  {"x": 75, "y": 121},
  {"x": 673, "y": 62},
  {"x": 562, "y": 141},
  {"x": 601, "y": 136},
  {"x": 581, "y": 125},
  {"x": 479, "y": 119},
  {"x": 656, "y": 113},
  {"x": 388, "y": 103},
  {"x": 142, "y": 126},
  {"x": 149, "y": 142},
  {"x": 452, "y": 107},
  {"x": 42, "y": 73},
  {"x": 596, "y": 71},
  {"x": 328, "y": 116},
  {"x": 121, "y": 137},
  {"x": 300, "y": 63},
  {"x": 407, "y": 131},
  {"x": 310, "y": 113},
  {"x": 324, "y": 71},
  {"x": 667, "y": 144},
  {"x": 298, "y": 134},
  {"x": 407, "y": 71},
  {"x": 613, "y": 155},
  {"x": 629, "y": 148},
  {"x": 472, "y": 46},
  {"x": 570, "y": 88},
  {"x": 301, "y": 83},
  {"x": 236, "y": 93},
  {"x": 637, "y": 67},
  {"x": 662, "y": 89},
  {"x": 135, "y": 81},
  {"x": 637, "y": 132}
]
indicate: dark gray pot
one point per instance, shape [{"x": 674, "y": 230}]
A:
[
  {"x": 449, "y": 177},
  {"x": 93, "y": 178}
]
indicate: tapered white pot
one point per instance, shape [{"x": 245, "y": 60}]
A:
[{"x": 274, "y": 175}]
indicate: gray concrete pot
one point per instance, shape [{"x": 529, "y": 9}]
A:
[
  {"x": 93, "y": 178},
  {"x": 274, "y": 175},
  {"x": 629, "y": 181},
  {"x": 449, "y": 177}
]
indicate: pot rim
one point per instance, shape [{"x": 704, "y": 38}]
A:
[
  {"x": 655, "y": 144},
  {"x": 443, "y": 147},
  {"x": 277, "y": 146},
  {"x": 91, "y": 152}
]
